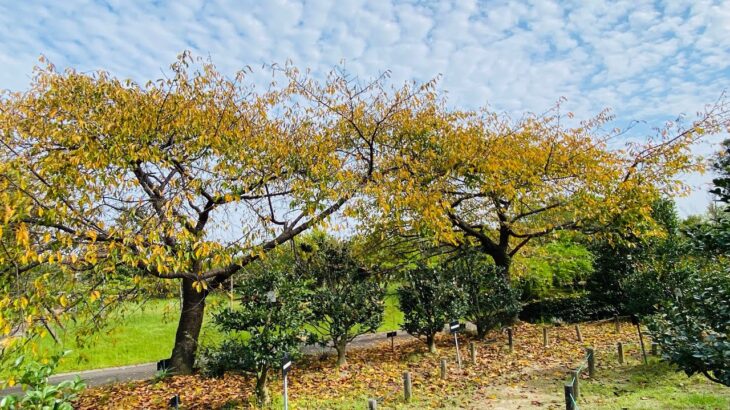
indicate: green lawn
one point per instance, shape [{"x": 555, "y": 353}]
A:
[
  {"x": 146, "y": 332},
  {"x": 654, "y": 386},
  {"x": 393, "y": 317}
]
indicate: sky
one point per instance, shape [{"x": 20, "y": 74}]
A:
[{"x": 648, "y": 61}]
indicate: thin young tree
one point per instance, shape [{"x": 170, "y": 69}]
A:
[{"x": 347, "y": 296}]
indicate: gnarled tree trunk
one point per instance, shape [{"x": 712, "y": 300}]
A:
[
  {"x": 188, "y": 328},
  {"x": 502, "y": 260}
]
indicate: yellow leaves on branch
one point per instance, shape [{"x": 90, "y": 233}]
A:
[
  {"x": 23, "y": 236},
  {"x": 503, "y": 181},
  {"x": 200, "y": 170},
  {"x": 200, "y": 285}
]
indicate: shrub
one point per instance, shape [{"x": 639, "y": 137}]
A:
[
  {"x": 490, "y": 299},
  {"x": 268, "y": 323},
  {"x": 38, "y": 393},
  {"x": 566, "y": 308},
  {"x": 562, "y": 264},
  {"x": 429, "y": 299},
  {"x": 693, "y": 327},
  {"x": 629, "y": 273},
  {"x": 346, "y": 298}
]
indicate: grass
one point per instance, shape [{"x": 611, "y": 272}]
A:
[
  {"x": 653, "y": 386},
  {"x": 393, "y": 317},
  {"x": 146, "y": 332}
]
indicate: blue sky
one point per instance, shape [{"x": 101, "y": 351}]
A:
[{"x": 648, "y": 61}]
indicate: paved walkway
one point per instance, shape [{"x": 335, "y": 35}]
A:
[
  {"x": 146, "y": 371},
  {"x": 98, "y": 377}
]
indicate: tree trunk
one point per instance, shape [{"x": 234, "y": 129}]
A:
[
  {"x": 341, "y": 347},
  {"x": 188, "y": 328},
  {"x": 431, "y": 341},
  {"x": 503, "y": 261},
  {"x": 263, "y": 398},
  {"x": 481, "y": 330}
]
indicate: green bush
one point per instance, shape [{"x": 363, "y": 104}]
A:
[
  {"x": 346, "y": 297},
  {"x": 490, "y": 299},
  {"x": 693, "y": 328},
  {"x": 632, "y": 274},
  {"x": 429, "y": 299},
  {"x": 560, "y": 265},
  {"x": 38, "y": 393},
  {"x": 268, "y": 323},
  {"x": 571, "y": 308}
]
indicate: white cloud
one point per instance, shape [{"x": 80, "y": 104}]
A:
[{"x": 647, "y": 60}]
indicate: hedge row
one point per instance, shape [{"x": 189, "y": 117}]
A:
[{"x": 567, "y": 308}]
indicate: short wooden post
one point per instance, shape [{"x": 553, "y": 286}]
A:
[
  {"x": 654, "y": 349},
  {"x": 569, "y": 404},
  {"x": 443, "y": 369},
  {"x": 545, "y": 336},
  {"x": 407, "y": 386},
  {"x": 620, "y": 349},
  {"x": 591, "y": 362},
  {"x": 576, "y": 384},
  {"x": 641, "y": 342},
  {"x": 473, "y": 352},
  {"x": 510, "y": 340},
  {"x": 617, "y": 323},
  {"x": 577, "y": 333},
  {"x": 372, "y": 404}
]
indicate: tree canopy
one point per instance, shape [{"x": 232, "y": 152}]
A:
[
  {"x": 194, "y": 176},
  {"x": 478, "y": 178},
  {"x": 190, "y": 177}
]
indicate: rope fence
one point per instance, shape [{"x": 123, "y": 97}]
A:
[{"x": 572, "y": 388}]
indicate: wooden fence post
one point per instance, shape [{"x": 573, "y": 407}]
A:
[
  {"x": 510, "y": 340},
  {"x": 473, "y": 351},
  {"x": 407, "y": 386},
  {"x": 372, "y": 404},
  {"x": 576, "y": 383},
  {"x": 620, "y": 349},
  {"x": 591, "y": 362},
  {"x": 545, "y": 336},
  {"x": 569, "y": 405},
  {"x": 443, "y": 369},
  {"x": 641, "y": 341},
  {"x": 654, "y": 349},
  {"x": 577, "y": 333},
  {"x": 617, "y": 323}
]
